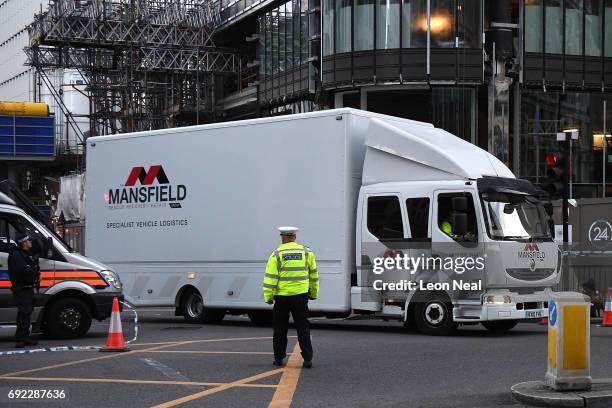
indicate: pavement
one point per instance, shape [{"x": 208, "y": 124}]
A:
[{"x": 357, "y": 363}]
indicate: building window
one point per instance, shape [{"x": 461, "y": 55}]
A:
[
  {"x": 304, "y": 31},
  {"x": 289, "y": 35},
  {"x": 261, "y": 45},
  {"x": 295, "y": 37},
  {"x": 441, "y": 24},
  {"x": 454, "y": 110},
  {"x": 275, "y": 67},
  {"x": 533, "y": 25},
  {"x": 554, "y": 27},
  {"x": 328, "y": 27},
  {"x": 364, "y": 21},
  {"x": 608, "y": 28},
  {"x": 387, "y": 24},
  {"x": 282, "y": 36},
  {"x": 469, "y": 28},
  {"x": 592, "y": 15},
  {"x": 414, "y": 20},
  {"x": 543, "y": 114},
  {"x": 343, "y": 26},
  {"x": 573, "y": 27},
  {"x": 269, "y": 69}
]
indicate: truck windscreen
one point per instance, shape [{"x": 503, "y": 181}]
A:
[{"x": 513, "y": 217}]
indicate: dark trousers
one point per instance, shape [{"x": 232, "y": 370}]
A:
[
  {"x": 297, "y": 305},
  {"x": 24, "y": 298}
]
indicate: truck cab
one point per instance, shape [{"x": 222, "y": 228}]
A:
[
  {"x": 73, "y": 288},
  {"x": 436, "y": 206}
]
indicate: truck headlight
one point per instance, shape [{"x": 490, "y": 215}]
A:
[
  {"x": 498, "y": 299},
  {"x": 111, "y": 278}
]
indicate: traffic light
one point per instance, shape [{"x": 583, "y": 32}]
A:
[{"x": 556, "y": 174}]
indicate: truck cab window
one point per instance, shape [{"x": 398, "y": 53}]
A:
[
  {"x": 418, "y": 216},
  {"x": 445, "y": 217},
  {"x": 385, "y": 218}
]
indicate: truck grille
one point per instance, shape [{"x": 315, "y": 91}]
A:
[{"x": 527, "y": 274}]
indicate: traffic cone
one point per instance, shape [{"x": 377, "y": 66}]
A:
[
  {"x": 544, "y": 320},
  {"x": 607, "y": 320},
  {"x": 115, "y": 341}
]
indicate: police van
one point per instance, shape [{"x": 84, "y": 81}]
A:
[{"x": 73, "y": 289}]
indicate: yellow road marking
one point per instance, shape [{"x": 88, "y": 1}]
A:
[
  {"x": 286, "y": 387},
  {"x": 87, "y": 360},
  {"x": 127, "y": 381},
  {"x": 211, "y": 352},
  {"x": 220, "y": 388}
]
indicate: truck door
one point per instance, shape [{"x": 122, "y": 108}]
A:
[
  {"x": 456, "y": 242},
  {"x": 11, "y": 224},
  {"x": 382, "y": 235}
]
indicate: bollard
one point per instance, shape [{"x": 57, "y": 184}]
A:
[{"x": 568, "y": 342}]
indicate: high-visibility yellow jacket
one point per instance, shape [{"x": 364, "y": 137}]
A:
[{"x": 291, "y": 270}]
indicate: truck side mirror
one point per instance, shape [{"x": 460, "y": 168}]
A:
[
  {"x": 459, "y": 204},
  {"x": 459, "y": 223}
]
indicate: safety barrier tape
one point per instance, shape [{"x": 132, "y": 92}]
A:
[{"x": 67, "y": 348}]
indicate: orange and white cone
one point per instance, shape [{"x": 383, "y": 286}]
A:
[
  {"x": 115, "y": 341},
  {"x": 607, "y": 320}
]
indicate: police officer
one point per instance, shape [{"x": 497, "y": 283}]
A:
[
  {"x": 24, "y": 274},
  {"x": 291, "y": 279}
]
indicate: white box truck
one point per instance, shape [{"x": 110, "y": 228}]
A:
[{"x": 188, "y": 218}]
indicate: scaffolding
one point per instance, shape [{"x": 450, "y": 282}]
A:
[{"x": 150, "y": 64}]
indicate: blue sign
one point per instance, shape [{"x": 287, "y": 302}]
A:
[
  {"x": 22, "y": 137},
  {"x": 552, "y": 312}
]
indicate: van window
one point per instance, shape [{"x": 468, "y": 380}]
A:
[
  {"x": 444, "y": 217},
  {"x": 11, "y": 225},
  {"x": 385, "y": 218},
  {"x": 418, "y": 216}
]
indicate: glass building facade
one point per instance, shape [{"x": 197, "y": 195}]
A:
[
  {"x": 282, "y": 38},
  {"x": 510, "y": 90},
  {"x": 393, "y": 24}
]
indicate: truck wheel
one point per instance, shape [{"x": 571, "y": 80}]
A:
[
  {"x": 433, "y": 315},
  {"x": 67, "y": 318},
  {"x": 193, "y": 309},
  {"x": 500, "y": 326},
  {"x": 261, "y": 317}
]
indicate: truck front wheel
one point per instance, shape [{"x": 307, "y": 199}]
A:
[
  {"x": 500, "y": 326},
  {"x": 433, "y": 315},
  {"x": 192, "y": 308},
  {"x": 67, "y": 318}
]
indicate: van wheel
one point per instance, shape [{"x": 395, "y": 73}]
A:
[
  {"x": 433, "y": 315},
  {"x": 67, "y": 318},
  {"x": 261, "y": 317},
  {"x": 192, "y": 308},
  {"x": 500, "y": 326}
]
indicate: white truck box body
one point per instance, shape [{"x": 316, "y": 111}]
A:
[{"x": 242, "y": 180}]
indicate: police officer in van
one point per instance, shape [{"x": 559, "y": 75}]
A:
[
  {"x": 24, "y": 274},
  {"x": 291, "y": 279}
]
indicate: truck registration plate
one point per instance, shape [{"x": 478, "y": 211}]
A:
[{"x": 533, "y": 314}]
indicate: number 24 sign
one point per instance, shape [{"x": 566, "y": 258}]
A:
[{"x": 600, "y": 234}]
